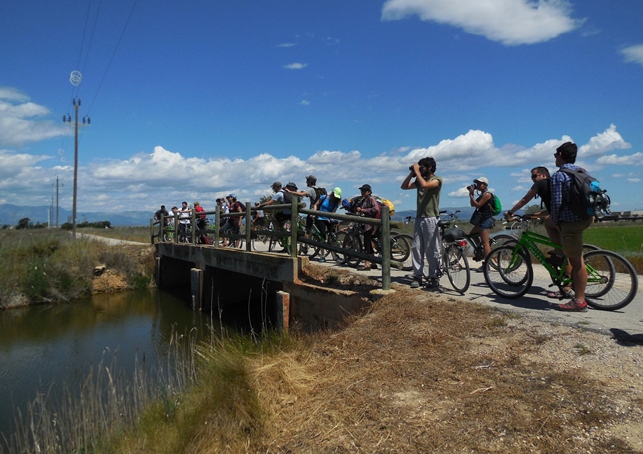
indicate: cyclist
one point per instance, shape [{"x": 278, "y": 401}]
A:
[
  {"x": 370, "y": 208},
  {"x": 571, "y": 225},
  {"x": 312, "y": 192},
  {"x": 482, "y": 219},
  {"x": 426, "y": 235},
  {"x": 328, "y": 204},
  {"x": 280, "y": 198},
  {"x": 184, "y": 219},
  {"x": 542, "y": 188},
  {"x": 162, "y": 213}
]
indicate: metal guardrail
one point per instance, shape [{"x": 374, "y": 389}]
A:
[{"x": 296, "y": 208}]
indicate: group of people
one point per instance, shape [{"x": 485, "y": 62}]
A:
[
  {"x": 184, "y": 216},
  {"x": 326, "y": 202},
  {"x": 563, "y": 225}
]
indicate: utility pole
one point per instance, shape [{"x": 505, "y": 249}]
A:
[
  {"x": 56, "y": 202},
  {"x": 86, "y": 122}
]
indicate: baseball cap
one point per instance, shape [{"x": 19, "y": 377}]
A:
[
  {"x": 366, "y": 187},
  {"x": 481, "y": 180},
  {"x": 337, "y": 192}
]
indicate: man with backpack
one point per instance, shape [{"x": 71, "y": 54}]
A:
[
  {"x": 313, "y": 193},
  {"x": 426, "y": 235},
  {"x": 572, "y": 223},
  {"x": 280, "y": 197}
]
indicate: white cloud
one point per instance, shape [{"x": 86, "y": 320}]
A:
[
  {"x": 602, "y": 143},
  {"x": 19, "y": 123},
  {"x": 286, "y": 45},
  {"x": 634, "y": 180},
  {"x": 633, "y": 54},
  {"x": 304, "y": 102},
  {"x": 296, "y": 66},
  {"x": 635, "y": 159},
  {"x": 510, "y": 22}
]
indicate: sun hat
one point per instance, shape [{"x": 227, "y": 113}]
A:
[
  {"x": 481, "y": 180},
  {"x": 337, "y": 192},
  {"x": 290, "y": 184}
]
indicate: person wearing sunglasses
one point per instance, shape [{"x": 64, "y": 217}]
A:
[{"x": 542, "y": 188}]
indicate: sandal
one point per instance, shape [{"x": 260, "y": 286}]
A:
[{"x": 561, "y": 294}]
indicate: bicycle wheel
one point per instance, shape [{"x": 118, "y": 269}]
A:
[
  {"x": 353, "y": 243},
  {"x": 502, "y": 239},
  {"x": 337, "y": 240},
  {"x": 309, "y": 250},
  {"x": 511, "y": 275},
  {"x": 400, "y": 248},
  {"x": 457, "y": 268},
  {"x": 408, "y": 239},
  {"x": 612, "y": 282}
]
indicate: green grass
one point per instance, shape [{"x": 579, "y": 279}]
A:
[
  {"x": 49, "y": 266},
  {"x": 626, "y": 239}
]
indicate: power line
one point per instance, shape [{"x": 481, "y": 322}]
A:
[{"x": 113, "y": 55}]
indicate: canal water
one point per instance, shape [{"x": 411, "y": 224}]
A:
[{"x": 44, "y": 348}]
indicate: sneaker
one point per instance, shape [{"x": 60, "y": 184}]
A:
[
  {"x": 417, "y": 281},
  {"x": 322, "y": 259},
  {"x": 573, "y": 306},
  {"x": 432, "y": 282}
]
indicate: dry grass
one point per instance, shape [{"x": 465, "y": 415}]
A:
[
  {"x": 418, "y": 373},
  {"x": 425, "y": 374}
]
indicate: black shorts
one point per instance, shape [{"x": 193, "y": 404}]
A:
[{"x": 282, "y": 217}]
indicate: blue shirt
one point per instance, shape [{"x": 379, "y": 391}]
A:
[
  {"x": 561, "y": 183},
  {"x": 327, "y": 206}
]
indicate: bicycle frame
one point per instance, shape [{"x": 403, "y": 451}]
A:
[{"x": 529, "y": 241}]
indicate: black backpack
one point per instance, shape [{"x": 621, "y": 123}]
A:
[
  {"x": 319, "y": 192},
  {"x": 586, "y": 198}
]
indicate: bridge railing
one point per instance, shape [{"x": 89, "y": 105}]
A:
[{"x": 171, "y": 232}]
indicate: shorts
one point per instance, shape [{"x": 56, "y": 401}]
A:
[
  {"x": 572, "y": 234},
  {"x": 282, "y": 217},
  {"x": 486, "y": 224}
]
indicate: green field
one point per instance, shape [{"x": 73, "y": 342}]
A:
[{"x": 624, "y": 239}]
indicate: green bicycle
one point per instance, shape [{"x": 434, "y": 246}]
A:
[{"x": 612, "y": 282}]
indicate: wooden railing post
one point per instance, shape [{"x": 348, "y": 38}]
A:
[
  {"x": 248, "y": 227},
  {"x": 193, "y": 226},
  {"x": 294, "y": 225},
  {"x": 386, "y": 248},
  {"x": 152, "y": 230},
  {"x": 217, "y": 225}
]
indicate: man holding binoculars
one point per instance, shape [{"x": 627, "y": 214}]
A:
[{"x": 426, "y": 235}]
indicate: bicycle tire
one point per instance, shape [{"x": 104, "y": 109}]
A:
[
  {"x": 456, "y": 266},
  {"x": 400, "y": 248},
  {"x": 352, "y": 242},
  {"x": 612, "y": 282},
  {"x": 513, "y": 275},
  {"x": 308, "y": 250},
  {"x": 337, "y": 239},
  {"x": 408, "y": 261}
]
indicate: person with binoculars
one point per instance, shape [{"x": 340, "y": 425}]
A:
[
  {"x": 482, "y": 218},
  {"x": 426, "y": 234}
]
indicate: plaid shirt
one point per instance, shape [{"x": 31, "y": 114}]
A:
[{"x": 560, "y": 186}]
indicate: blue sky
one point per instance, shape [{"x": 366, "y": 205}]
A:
[{"x": 194, "y": 100}]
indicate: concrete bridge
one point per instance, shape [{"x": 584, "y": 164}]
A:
[{"x": 220, "y": 277}]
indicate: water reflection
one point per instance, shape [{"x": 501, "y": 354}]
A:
[{"x": 42, "y": 347}]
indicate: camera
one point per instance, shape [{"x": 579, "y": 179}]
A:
[
  {"x": 411, "y": 168},
  {"x": 471, "y": 187}
]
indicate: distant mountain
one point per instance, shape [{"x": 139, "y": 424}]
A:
[{"x": 11, "y": 214}]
